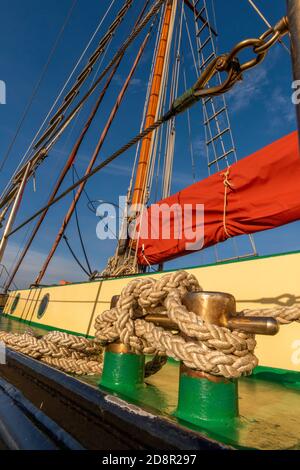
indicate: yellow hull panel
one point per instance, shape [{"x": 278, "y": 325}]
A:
[{"x": 257, "y": 283}]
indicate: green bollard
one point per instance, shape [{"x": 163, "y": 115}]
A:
[
  {"x": 205, "y": 399},
  {"x": 123, "y": 371}
]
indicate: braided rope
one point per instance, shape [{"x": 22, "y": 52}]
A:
[
  {"x": 284, "y": 315},
  {"x": 199, "y": 345},
  {"x": 73, "y": 354},
  {"x": 209, "y": 348}
]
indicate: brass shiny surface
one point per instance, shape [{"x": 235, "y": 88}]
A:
[
  {"x": 216, "y": 308},
  {"x": 201, "y": 375},
  {"x": 255, "y": 325},
  {"x": 161, "y": 320},
  {"x": 219, "y": 309},
  {"x": 212, "y": 307},
  {"x": 118, "y": 348}
]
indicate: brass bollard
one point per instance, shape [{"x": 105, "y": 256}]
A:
[{"x": 205, "y": 398}]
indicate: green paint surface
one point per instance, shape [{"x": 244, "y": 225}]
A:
[
  {"x": 201, "y": 401},
  {"x": 269, "y": 411},
  {"x": 40, "y": 326},
  {"x": 287, "y": 378},
  {"x": 123, "y": 372}
]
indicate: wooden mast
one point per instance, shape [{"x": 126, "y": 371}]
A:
[{"x": 139, "y": 190}]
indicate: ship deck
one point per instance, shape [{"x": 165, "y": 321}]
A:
[{"x": 269, "y": 404}]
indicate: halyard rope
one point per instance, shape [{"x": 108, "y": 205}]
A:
[
  {"x": 228, "y": 186},
  {"x": 199, "y": 345}
]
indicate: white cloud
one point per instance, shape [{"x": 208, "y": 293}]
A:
[
  {"x": 59, "y": 268},
  {"x": 199, "y": 146},
  {"x": 244, "y": 92},
  {"x": 136, "y": 82},
  {"x": 280, "y": 107}
]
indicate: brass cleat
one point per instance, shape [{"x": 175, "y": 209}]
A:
[{"x": 219, "y": 309}]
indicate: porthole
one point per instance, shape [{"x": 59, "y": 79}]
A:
[
  {"x": 43, "y": 306},
  {"x": 15, "y": 304}
]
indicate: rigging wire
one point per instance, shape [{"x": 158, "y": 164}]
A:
[
  {"x": 171, "y": 127},
  {"x": 190, "y": 132},
  {"x": 67, "y": 120},
  {"x": 99, "y": 167},
  {"x": 90, "y": 204},
  {"x": 262, "y": 16},
  {"x": 145, "y": 106},
  {"x": 190, "y": 43},
  {"x": 60, "y": 93},
  {"x": 14, "y": 264},
  {"x": 38, "y": 84},
  {"x": 214, "y": 15},
  {"x": 74, "y": 256},
  {"x": 139, "y": 27},
  {"x": 78, "y": 225}
]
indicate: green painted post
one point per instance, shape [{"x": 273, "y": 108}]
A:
[
  {"x": 203, "y": 401},
  {"x": 123, "y": 371}
]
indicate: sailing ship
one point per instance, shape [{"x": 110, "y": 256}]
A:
[{"x": 240, "y": 198}]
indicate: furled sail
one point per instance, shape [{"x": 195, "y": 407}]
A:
[{"x": 258, "y": 193}]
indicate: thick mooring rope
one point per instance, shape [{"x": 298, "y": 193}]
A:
[
  {"x": 66, "y": 352},
  {"x": 284, "y": 315},
  {"x": 199, "y": 345}
]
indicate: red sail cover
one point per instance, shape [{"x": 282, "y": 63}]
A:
[{"x": 263, "y": 192}]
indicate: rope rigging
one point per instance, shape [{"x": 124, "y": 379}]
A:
[
  {"x": 73, "y": 154},
  {"x": 88, "y": 273},
  {"x": 24, "y": 158},
  {"x": 58, "y": 128},
  {"x": 78, "y": 227},
  {"x": 38, "y": 84},
  {"x": 228, "y": 64},
  {"x": 63, "y": 173},
  {"x": 267, "y": 23},
  {"x": 96, "y": 152}
]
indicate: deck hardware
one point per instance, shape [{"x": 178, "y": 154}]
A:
[
  {"x": 215, "y": 399},
  {"x": 122, "y": 369}
]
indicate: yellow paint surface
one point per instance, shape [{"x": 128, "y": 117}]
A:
[{"x": 258, "y": 283}]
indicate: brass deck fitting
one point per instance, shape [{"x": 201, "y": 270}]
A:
[
  {"x": 219, "y": 309},
  {"x": 123, "y": 371},
  {"x": 205, "y": 398}
]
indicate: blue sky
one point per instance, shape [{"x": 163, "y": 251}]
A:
[{"x": 260, "y": 111}]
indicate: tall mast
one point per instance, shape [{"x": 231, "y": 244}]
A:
[
  {"x": 294, "y": 25},
  {"x": 93, "y": 160},
  {"x": 139, "y": 190}
]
